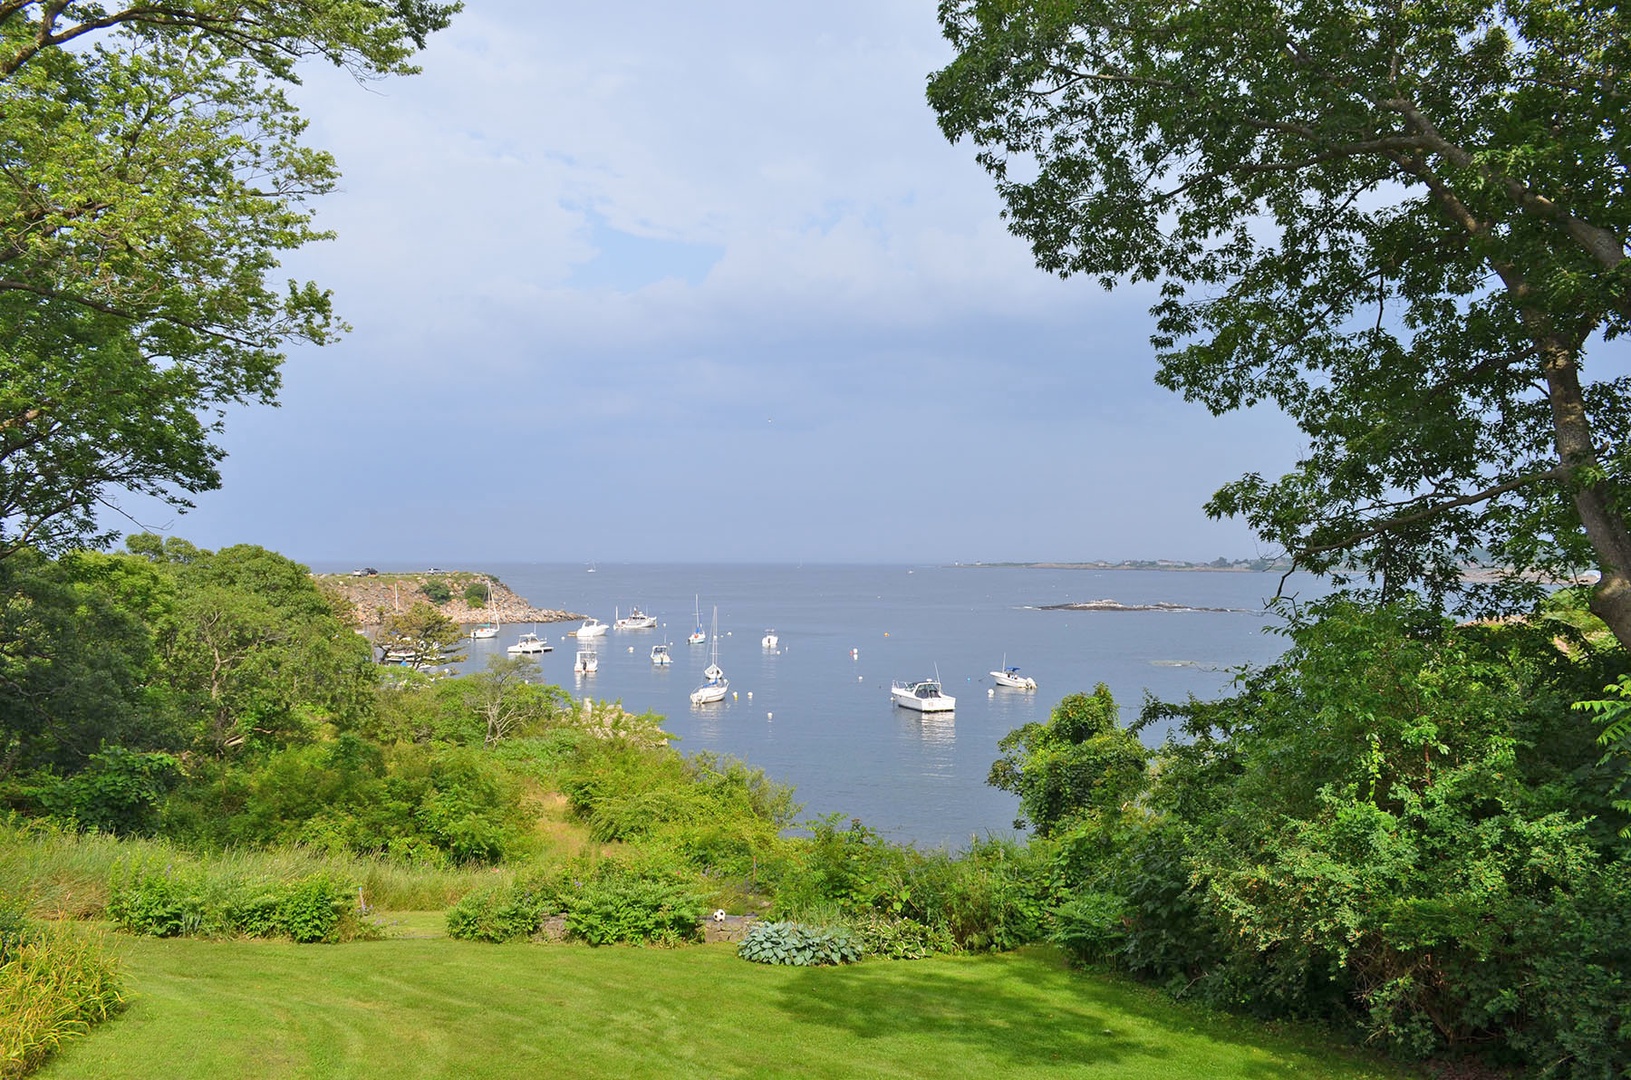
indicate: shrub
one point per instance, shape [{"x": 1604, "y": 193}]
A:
[
  {"x": 475, "y": 593},
  {"x": 797, "y": 945},
  {"x": 116, "y": 792},
  {"x": 189, "y": 902},
  {"x": 1090, "y": 926},
  {"x": 900, "y": 939},
  {"x": 53, "y": 986},
  {"x": 498, "y": 914},
  {"x": 437, "y": 592},
  {"x": 634, "y": 911}
]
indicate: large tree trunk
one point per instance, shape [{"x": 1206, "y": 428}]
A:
[{"x": 1604, "y": 527}]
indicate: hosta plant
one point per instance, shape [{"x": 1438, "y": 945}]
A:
[{"x": 798, "y": 945}]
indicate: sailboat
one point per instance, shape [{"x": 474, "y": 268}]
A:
[
  {"x": 697, "y": 636},
  {"x": 490, "y": 628},
  {"x": 714, "y": 683}
]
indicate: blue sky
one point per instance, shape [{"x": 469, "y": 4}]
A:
[{"x": 653, "y": 282}]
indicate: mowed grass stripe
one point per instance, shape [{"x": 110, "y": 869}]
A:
[{"x": 435, "y": 1008}]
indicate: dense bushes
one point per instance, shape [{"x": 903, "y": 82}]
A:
[
  {"x": 434, "y": 805},
  {"x": 190, "y": 901},
  {"x": 603, "y": 901},
  {"x": 1402, "y": 825}
]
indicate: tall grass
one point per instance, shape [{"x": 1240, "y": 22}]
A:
[
  {"x": 53, "y": 988},
  {"x": 64, "y": 874}
]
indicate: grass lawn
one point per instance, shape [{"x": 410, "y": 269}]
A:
[{"x": 423, "y": 1006}]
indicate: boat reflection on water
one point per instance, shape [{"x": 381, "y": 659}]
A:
[{"x": 937, "y": 729}]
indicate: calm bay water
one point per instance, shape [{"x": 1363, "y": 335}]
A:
[{"x": 822, "y": 720}]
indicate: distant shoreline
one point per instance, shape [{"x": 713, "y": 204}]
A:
[{"x": 1237, "y": 566}]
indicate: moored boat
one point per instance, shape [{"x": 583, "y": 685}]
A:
[
  {"x": 714, "y": 684},
  {"x": 659, "y": 655},
  {"x": 770, "y": 640},
  {"x": 923, "y": 695},
  {"x": 698, "y": 636},
  {"x": 530, "y": 644},
  {"x": 591, "y": 628},
  {"x": 1010, "y": 676},
  {"x": 635, "y": 620},
  {"x": 587, "y": 663}
]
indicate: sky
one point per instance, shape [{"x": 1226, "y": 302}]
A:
[{"x": 650, "y": 282}]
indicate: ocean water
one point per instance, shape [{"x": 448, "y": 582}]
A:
[{"x": 816, "y": 712}]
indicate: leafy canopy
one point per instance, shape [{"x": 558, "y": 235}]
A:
[
  {"x": 1404, "y": 225},
  {"x": 151, "y": 174}
]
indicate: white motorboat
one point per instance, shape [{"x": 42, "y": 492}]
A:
[
  {"x": 587, "y": 662},
  {"x": 714, "y": 684},
  {"x": 659, "y": 655},
  {"x": 1010, "y": 676},
  {"x": 530, "y": 644},
  {"x": 770, "y": 640},
  {"x": 697, "y": 636},
  {"x": 591, "y": 628},
  {"x": 924, "y": 695},
  {"x": 635, "y": 620}
]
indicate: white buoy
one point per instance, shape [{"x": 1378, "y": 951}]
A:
[
  {"x": 860, "y": 678},
  {"x": 631, "y": 648},
  {"x": 733, "y": 695},
  {"x": 750, "y": 695},
  {"x": 991, "y": 691},
  {"x": 770, "y": 716}
]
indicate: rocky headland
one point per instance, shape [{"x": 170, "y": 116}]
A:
[{"x": 373, "y": 596}]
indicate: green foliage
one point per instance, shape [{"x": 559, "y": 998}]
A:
[
  {"x": 475, "y": 593},
  {"x": 605, "y": 901},
  {"x": 432, "y": 805},
  {"x": 118, "y": 791},
  {"x": 1091, "y": 926},
  {"x": 71, "y": 670},
  {"x": 898, "y": 939},
  {"x": 436, "y": 591},
  {"x": 190, "y": 901},
  {"x": 66, "y": 873},
  {"x": 252, "y": 654},
  {"x": 55, "y": 982},
  {"x": 1401, "y": 826},
  {"x": 499, "y": 913},
  {"x": 992, "y": 897},
  {"x": 1401, "y": 224},
  {"x": 1615, "y": 714},
  {"x": 419, "y": 638},
  {"x": 796, "y": 945},
  {"x": 717, "y": 813},
  {"x": 138, "y": 289},
  {"x": 1078, "y": 762}
]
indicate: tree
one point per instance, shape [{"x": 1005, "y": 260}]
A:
[
  {"x": 420, "y": 637},
  {"x": 502, "y": 699},
  {"x": 1078, "y": 762},
  {"x": 252, "y": 653},
  {"x": 151, "y": 171},
  {"x": 1403, "y": 224}
]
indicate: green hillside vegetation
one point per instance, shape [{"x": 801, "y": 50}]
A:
[{"x": 1404, "y": 830}]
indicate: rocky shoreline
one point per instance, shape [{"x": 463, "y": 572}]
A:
[{"x": 374, "y": 596}]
